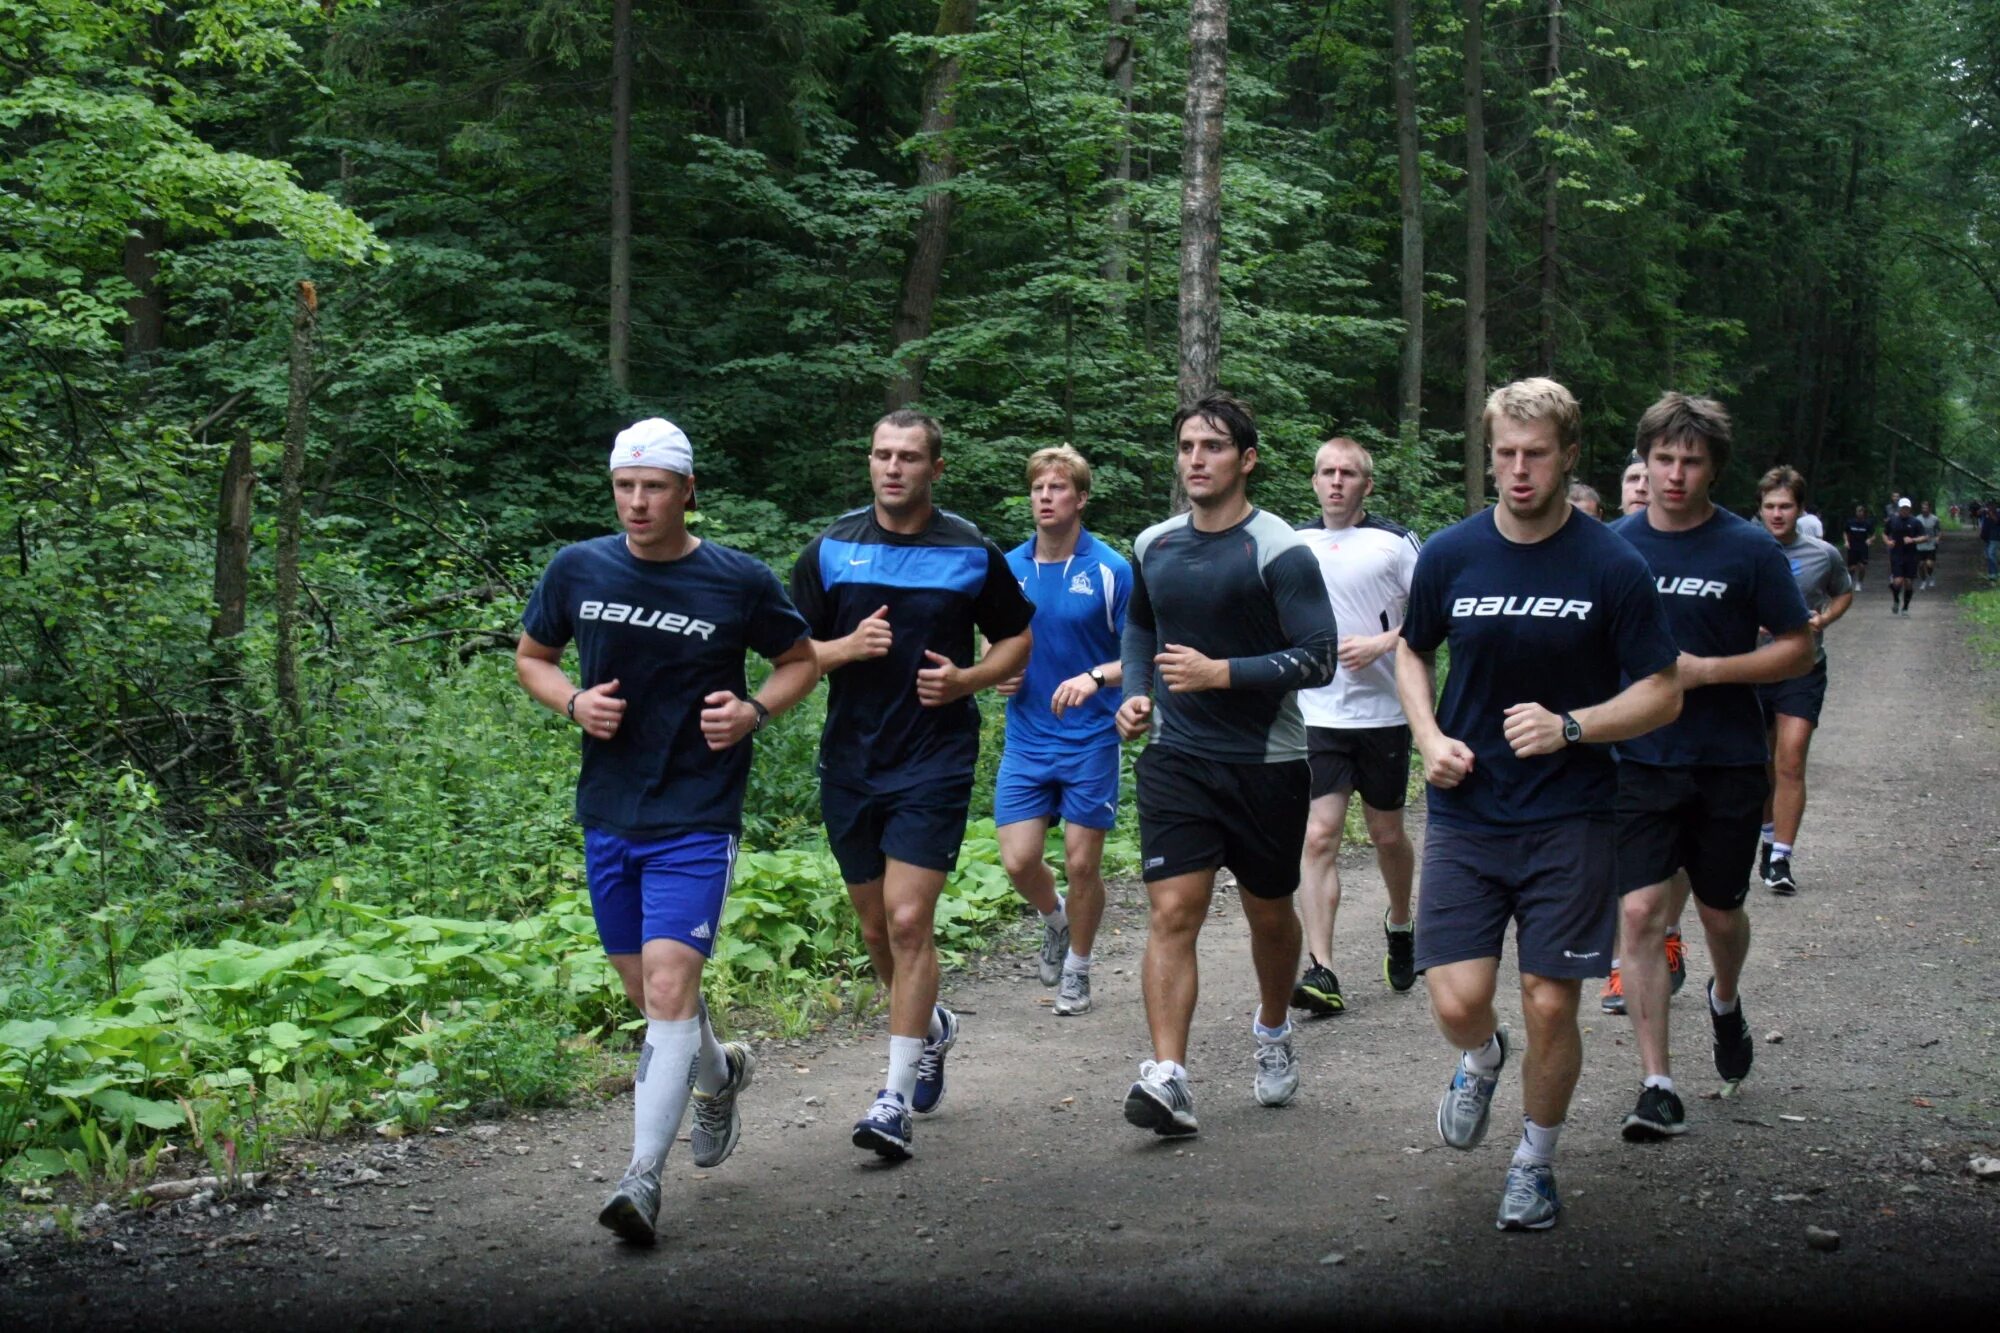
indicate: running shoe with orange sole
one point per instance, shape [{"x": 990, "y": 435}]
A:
[
  {"x": 1612, "y": 1001},
  {"x": 1677, "y": 962}
]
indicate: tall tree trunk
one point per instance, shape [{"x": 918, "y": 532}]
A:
[
  {"x": 1119, "y": 58},
  {"x": 232, "y": 539},
  {"x": 936, "y": 166},
  {"x": 1201, "y": 198},
  {"x": 147, "y": 311},
  {"x": 621, "y": 195},
  {"x": 1410, "y": 191},
  {"x": 1551, "y": 186},
  {"x": 1475, "y": 255},
  {"x": 291, "y": 490}
]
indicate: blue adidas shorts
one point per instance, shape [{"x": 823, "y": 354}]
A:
[
  {"x": 660, "y": 889},
  {"x": 1080, "y": 785}
]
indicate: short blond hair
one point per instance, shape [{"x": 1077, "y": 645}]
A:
[
  {"x": 1061, "y": 458},
  {"x": 1355, "y": 447},
  {"x": 1537, "y": 399}
]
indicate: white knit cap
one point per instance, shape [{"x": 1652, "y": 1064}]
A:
[{"x": 654, "y": 442}]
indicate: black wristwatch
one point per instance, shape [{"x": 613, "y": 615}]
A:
[
  {"x": 1572, "y": 730},
  {"x": 1096, "y": 675},
  {"x": 763, "y": 714}
]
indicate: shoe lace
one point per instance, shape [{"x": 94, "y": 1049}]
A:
[
  {"x": 711, "y": 1112},
  {"x": 884, "y": 1112},
  {"x": 1676, "y": 951},
  {"x": 1523, "y": 1188},
  {"x": 1055, "y": 943},
  {"x": 1614, "y": 984},
  {"x": 1073, "y": 986},
  {"x": 1274, "y": 1057},
  {"x": 929, "y": 1064}
]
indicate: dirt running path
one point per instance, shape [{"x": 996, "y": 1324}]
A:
[{"x": 1029, "y": 1195}]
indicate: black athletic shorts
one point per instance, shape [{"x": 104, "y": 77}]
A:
[
  {"x": 1857, "y": 555},
  {"x": 921, "y": 827},
  {"x": 1801, "y": 696},
  {"x": 1551, "y": 879},
  {"x": 1703, "y": 818},
  {"x": 1197, "y": 814},
  {"x": 1902, "y": 563},
  {"x": 1374, "y": 761}
]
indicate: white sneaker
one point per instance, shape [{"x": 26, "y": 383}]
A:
[
  {"x": 1159, "y": 1103},
  {"x": 1277, "y": 1072},
  {"x": 1073, "y": 997}
]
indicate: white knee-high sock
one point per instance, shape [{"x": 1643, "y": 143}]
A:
[
  {"x": 660, "y": 1090},
  {"x": 711, "y": 1066}
]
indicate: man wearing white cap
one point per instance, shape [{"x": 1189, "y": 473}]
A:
[
  {"x": 1902, "y": 533},
  {"x": 661, "y": 621}
]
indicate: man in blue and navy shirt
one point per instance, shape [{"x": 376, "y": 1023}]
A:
[
  {"x": 893, "y": 593},
  {"x": 661, "y": 620},
  {"x": 1062, "y": 739},
  {"x": 1691, "y": 795}
]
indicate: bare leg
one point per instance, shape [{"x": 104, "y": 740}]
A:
[
  {"x": 1083, "y": 862},
  {"x": 874, "y": 918},
  {"x": 1396, "y": 857},
  {"x": 1462, "y": 1001},
  {"x": 1728, "y": 947},
  {"x": 1644, "y": 916},
  {"x": 1021, "y": 852},
  {"x": 1171, "y": 982},
  {"x": 1274, "y": 953},
  {"x": 909, "y": 900},
  {"x": 1788, "y": 791},
  {"x": 1555, "y": 1048},
  {"x": 1319, "y": 873}
]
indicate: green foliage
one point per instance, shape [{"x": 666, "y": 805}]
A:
[{"x": 1982, "y": 614}]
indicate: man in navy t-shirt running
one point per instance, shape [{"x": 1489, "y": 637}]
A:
[
  {"x": 1062, "y": 740},
  {"x": 1901, "y": 534},
  {"x": 1860, "y": 531},
  {"x": 893, "y": 593},
  {"x": 661, "y": 621},
  {"x": 1691, "y": 795},
  {"x": 1545, "y": 612}
]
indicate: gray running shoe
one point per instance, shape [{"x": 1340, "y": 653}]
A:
[
  {"x": 1161, "y": 1104},
  {"x": 1055, "y": 948},
  {"x": 717, "y": 1126},
  {"x": 1277, "y": 1072},
  {"x": 1468, "y": 1102},
  {"x": 635, "y": 1205},
  {"x": 1529, "y": 1202},
  {"x": 1074, "y": 996}
]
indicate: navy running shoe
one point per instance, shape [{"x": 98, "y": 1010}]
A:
[
  {"x": 930, "y": 1066},
  {"x": 885, "y": 1129}
]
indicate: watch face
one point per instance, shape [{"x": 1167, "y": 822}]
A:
[{"x": 1572, "y": 729}]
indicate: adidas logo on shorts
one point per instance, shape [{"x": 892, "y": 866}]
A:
[{"x": 701, "y": 932}]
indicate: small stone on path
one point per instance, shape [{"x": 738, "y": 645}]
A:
[{"x": 1819, "y": 1238}]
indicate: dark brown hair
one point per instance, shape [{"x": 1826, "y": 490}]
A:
[
  {"x": 905, "y": 418},
  {"x": 1226, "y": 413},
  {"x": 1783, "y": 478},
  {"x": 1677, "y": 418}
]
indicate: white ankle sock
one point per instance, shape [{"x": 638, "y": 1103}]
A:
[
  {"x": 1538, "y": 1142},
  {"x": 660, "y": 1088},
  {"x": 1487, "y": 1058},
  {"x": 935, "y": 1032},
  {"x": 1781, "y": 851},
  {"x": 1060, "y": 917},
  {"x": 904, "y": 1052},
  {"x": 1660, "y": 1081},
  {"x": 1721, "y": 1008},
  {"x": 1167, "y": 1069},
  {"x": 1768, "y": 834},
  {"x": 1271, "y": 1034},
  {"x": 1077, "y": 962}
]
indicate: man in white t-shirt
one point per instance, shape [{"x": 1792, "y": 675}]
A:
[{"x": 1356, "y": 735}]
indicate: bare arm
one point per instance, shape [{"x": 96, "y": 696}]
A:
[
  {"x": 1447, "y": 760},
  {"x": 1786, "y": 655},
  {"x": 944, "y": 680},
  {"x": 726, "y": 719},
  {"x": 1635, "y": 710},
  {"x": 871, "y": 638},
  {"x": 539, "y": 669},
  {"x": 1835, "y": 609}
]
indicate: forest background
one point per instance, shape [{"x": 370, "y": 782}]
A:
[{"x": 316, "y": 320}]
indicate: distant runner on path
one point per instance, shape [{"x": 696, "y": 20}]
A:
[
  {"x": 1927, "y": 548},
  {"x": 1792, "y": 707},
  {"x": 893, "y": 592},
  {"x": 1901, "y": 534},
  {"x": 1544, "y": 611},
  {"x": 1061, "y": 759},
  {"x": 1860, "y": 530},
  {"x": 1691, "y": 794},
  {"x": 1356, "y": 738},
  {"x": 1230, "y": 618},
  {"x": 661, "y": 621}
]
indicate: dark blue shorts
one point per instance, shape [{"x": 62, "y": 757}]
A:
[
  {"x": 1801, "y": 696},
  {"x": 921, "y": 827},
  {"x": 1081, "y": 785},
  {"x": 1555, "y": 881},
  {"x": 661, "y": 889}
]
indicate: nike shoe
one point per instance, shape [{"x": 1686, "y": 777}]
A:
[
  {"x": 1467, "y": 1103},
  {"x": 1073, "y": 996},
  {"x": 1399, "y": 965},
  {"x": 1612, "y": 1001},
  {"x": 1318, "y": 991},
  {"x": 1677, "y": 963},
  {"x": 1529, "y": 1202},
  {"x": 885, "y": 1128},
  {"x": 930, "y": 1065},
  {"x": 1734, "y": 1047},
  {"x": 1659, "y": 1115},
  {"x": 635, "y": 1205},
  {"x": 1055, "y": 947},
  {"x": 1159, "y": 1103},
  {"x": 1778, "y": 879},
  {"x": 1277, "y": 1072},
  {"x": 717, "y": 1126}
]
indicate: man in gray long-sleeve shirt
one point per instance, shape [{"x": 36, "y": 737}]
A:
[{"x": 1230, "y": 616}]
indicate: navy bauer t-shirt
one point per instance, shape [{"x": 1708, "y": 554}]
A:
[
  {"x": 1719, "y": 583},
  {"x": 1562, "y": 623},
  {"x": 670, "y": 632}
]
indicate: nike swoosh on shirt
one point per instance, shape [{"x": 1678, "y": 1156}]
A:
[{"x": 857, "y": 562}]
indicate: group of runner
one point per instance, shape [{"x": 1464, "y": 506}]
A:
[
  {"x": 1278, "y": 672},
  {"x": 1910, "y": 534}
]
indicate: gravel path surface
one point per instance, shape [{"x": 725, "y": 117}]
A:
[{"x": 1875, "y": 995}]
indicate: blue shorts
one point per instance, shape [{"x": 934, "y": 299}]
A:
[
  {"x": 662, "y": 889},
  {"x": 1801, "y": 696},
  {"x": 1555, "y": 881},
  {"x": 920, "y": 827},
  {"x": 1080, "y": 785}
]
